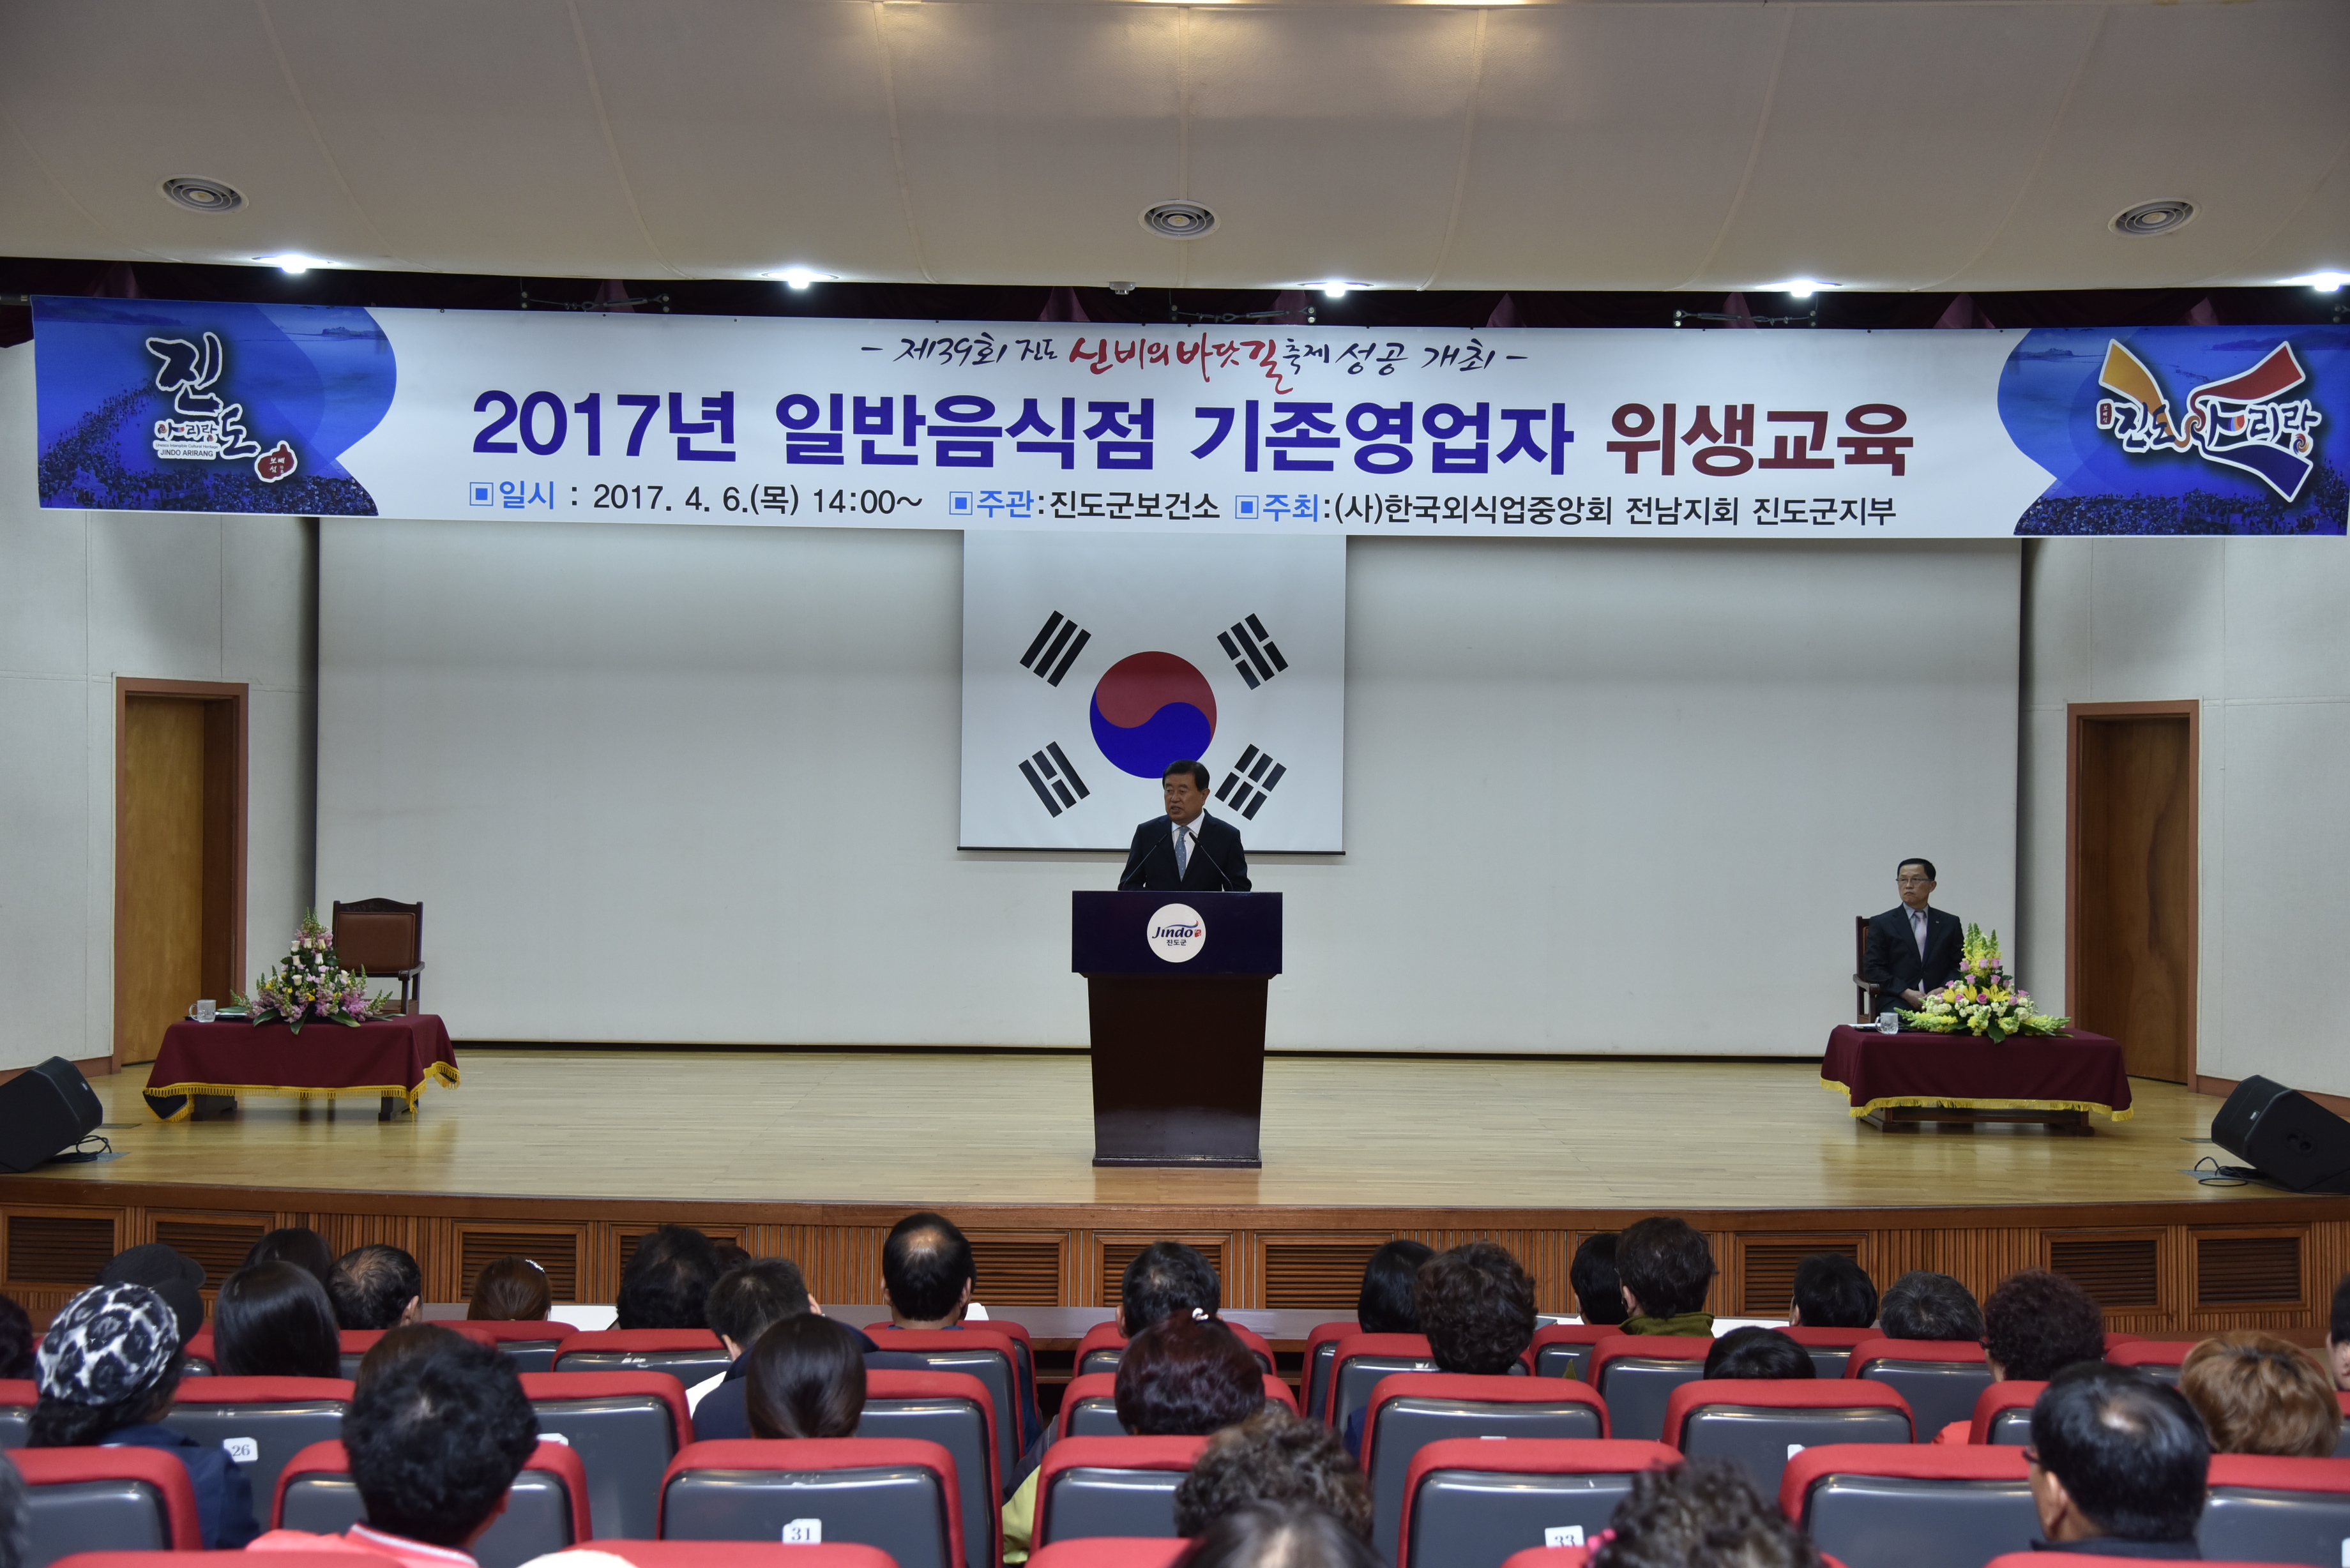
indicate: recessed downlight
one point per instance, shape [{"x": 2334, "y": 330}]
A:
[
  {"x": 800, "y": 276},
  {"x": 295, "y": 265},
  {"x": 2154, "y": 218},
  {"x": 203, "y": 195},
  {"x": 1179, "y": 220}
]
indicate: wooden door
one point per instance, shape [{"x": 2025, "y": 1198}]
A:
[
  {"x": 178, "y": 856},
  {"x": 2132, "y": 886}
]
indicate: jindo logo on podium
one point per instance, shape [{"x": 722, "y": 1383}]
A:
[{"x": 1177, "y": 933}]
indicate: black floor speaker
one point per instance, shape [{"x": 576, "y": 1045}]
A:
[
  {"x": 43, "y": 1109},
  {"x": 2285, "y": 1135}
]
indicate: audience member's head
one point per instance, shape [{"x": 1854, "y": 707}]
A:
[
  {"x": 110, "y": 1360},
  {"x": 1385, "y": 1305},
  {"x": 1665, "y": 1266},
  {"x": 274, "y": 1319},
  {"x": 1832, "y": 1290},
  {"x": 1477, "y": 1307},
  {"x": 177, "y": 1278},
  {"x": 748, "y": 1300},
  {"x": 376, "y": 1287},
  {"x": 298, "y": 1245},
  {"x": 2261, "y": 1394},
  {"x": 2036, "y": 1323},
  {"x": 15, "y": 1340},
  {"x": 1922, "y": 1305},
  {"x": 15, "y": 1518},
  {"x": 398, "y": 1347},
  {"x": 436, "y": 1437},
  {"x": 1274, "y": 1457},
  {"x": 1167, "y": 1278},
  {"x": 806, "y": 1378},
  {"x": 511, "y": 1289},
  {"x": 730, "y": 1254},
  {"x": 927, "y": 1273},
  {"x": 1185, "y": 1378},
  {"x": 1599, "y": 1289},
  {"x": 667, "y": 1282},
  {"x": 2114, "y": 1453},
  {"x": 2337, "y": 1334},
  {"x": 1700, "y": 1513},
  {"x": 1757, "y": 1352},
  {"x": 1275, "y": 1535}
]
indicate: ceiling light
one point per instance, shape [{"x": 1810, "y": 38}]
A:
[
  {"x": 292, "y": 264},
  {"x": 2325, "y": 282},
  {"x": 1335, "y": 290},
  {"x": 799, "y": 276},
  {"x": 1802, "y": 288},
  {"x": 203, "y": 195},
  {"x": 2154, "y": 218},
  {"x": 1179, "y": 220}
]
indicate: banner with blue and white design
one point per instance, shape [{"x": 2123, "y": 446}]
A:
[
  {"x": 172, "y": 406},
  {"x": 1091, "y": 661}
]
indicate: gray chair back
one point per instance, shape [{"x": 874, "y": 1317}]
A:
[
  {"x": 16, "y": 1425},
  {"x": 1638, "y": 1387},
  {"x": 1408, "y": 1425},
  {"x": 996, "y": 1375},
  {"x": 538, "y": 1354},
  {"x": 537, "y": 1519},
  {"x": 1883, "y": 1522},
  {"x": 1472, "y": 1518},
  {"x": 624, "y": 1442},
  {"x": 1095, "y": 1418},
  {"x": 2270, "y": 1525},
  {"x": 261, "y": 1437},
  {"x": 902, "y": 1508},
  {"x": 2012, "y": 1427},
  {"x": 1106, "y": 1357},
  {"x": 1940, "y": 1392},
  {"x": 1090, "y": 1500},
  {"x": 1316, "y": 1373},
  {"x": 960, "y": 1427},
  {"x": 1563, "y": 1361},
  {"x": 1829, "y": 1360},
  {"x": 687, "y": 1367},
  {"x": 95, "y": 1516},
  {"x": 1764, "y": 1438},
  {"x": 1358, "y": 1375}
]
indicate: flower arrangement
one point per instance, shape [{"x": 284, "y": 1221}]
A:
[
  {"x": 312, "y": 986},
  {"x": 1982, "y": 1000}
]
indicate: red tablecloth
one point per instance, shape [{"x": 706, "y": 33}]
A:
[
  {"x": 2075, "y": 1072},
  {"x": 389, "y": 1056}
]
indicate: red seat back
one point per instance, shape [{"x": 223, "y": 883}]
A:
[
  {"x": 727, "y": 1554},
  {"x": 1563, "y": 1349},
  {"x": 1321, "y": 1347},
  {"x": 72, "y": 1503},
  {"x": 1104, "y": 1486},
  {"x": 501, "y": 1330},
  {"x": 938, "y": 1407},
  {"x": 1927, "y": 1504},
  {"x": 1106, "y": 1337},
  {"x": 1361, "y": 1360},
  {"x": 1939, "y": 1377},
  {"x": 625, "y": 1427},
  {"x": 979, "y": 1352},
  {"x": 788, "y": 1461},
  {"x": 1830, "y": 1348},
  {"x": 1993, "y": 1421},
  {"x": 1761, "y": 1423},
  {"x": 1776, "y": 1394},
  {"x": 1482, "y": 1530},
  {"x": 554, "y": 1460},
  {"x": 1636, "y": 1373}
]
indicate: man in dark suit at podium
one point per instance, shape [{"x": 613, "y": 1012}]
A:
[
  {"x": 1187, "y": 849},
  {"x": 1913, "y": 948}
]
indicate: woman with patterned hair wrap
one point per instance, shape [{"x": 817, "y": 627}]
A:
[{"x": 108, "y": 1368}]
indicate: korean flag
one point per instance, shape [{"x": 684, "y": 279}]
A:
[{"x": 1090, "y": 661}]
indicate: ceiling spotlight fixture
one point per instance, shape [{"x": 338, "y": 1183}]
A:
[
  {"x": 799, "y": 276},
  {"x": 1335, "y": 290},
  {"x": 1179, "y": 220},
  {"x": 1802, "y": 288},
  {"x": 201, "y": 195},
  {"x": 2154, "y": 218},
  {"x": 292, "y": 264},
  {"x": 2325, "y": 282}
]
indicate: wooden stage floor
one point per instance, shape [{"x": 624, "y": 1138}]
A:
[
  {"x": 572, "y": 1155},
  {"x": 933, "y": 1129}
]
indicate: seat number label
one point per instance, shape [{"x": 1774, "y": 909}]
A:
[
  {"x": 1562, "y": 1535},
  {"x": 243, "y": 1450},
  {"x": 803, "y": 1532}
]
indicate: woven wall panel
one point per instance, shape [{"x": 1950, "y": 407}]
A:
[
  {"x": 220, "y": 1245},
  {"x": 51, "y": 1249},
  {"x": 1316, "y": 1276},
  {"x": 2117, "y": 1272},
  {"x": 1016, "y": 1270},
  {"x": 2248, "y": 1270}
]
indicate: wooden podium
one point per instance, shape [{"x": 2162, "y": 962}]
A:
[{"x": 1176, "y": 984}]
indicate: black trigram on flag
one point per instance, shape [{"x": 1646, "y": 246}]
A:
[
  {"x": 1051, "y": 777},
  {"x": 1056, "y": 649},
  {"x": 1251, "y": 651},
  {"x": 1250, "y": 780}
]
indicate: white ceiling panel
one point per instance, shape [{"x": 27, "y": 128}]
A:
[
  {"x": 755, "y": 137},
  {"x": 1611, "y": 140},
  {"x": 1651, "y": 144}
]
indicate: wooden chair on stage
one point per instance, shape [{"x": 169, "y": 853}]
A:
[
  {"x": 385, "y": 937},
  {"x": 1865, "y": 988}
]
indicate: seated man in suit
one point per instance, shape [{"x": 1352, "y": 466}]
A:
[
  {"x": 1912, "y": 948},
  {"x": 1187, "y": 848}
]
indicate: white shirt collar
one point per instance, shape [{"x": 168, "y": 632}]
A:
[{"x": 1191, "y": 827}]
